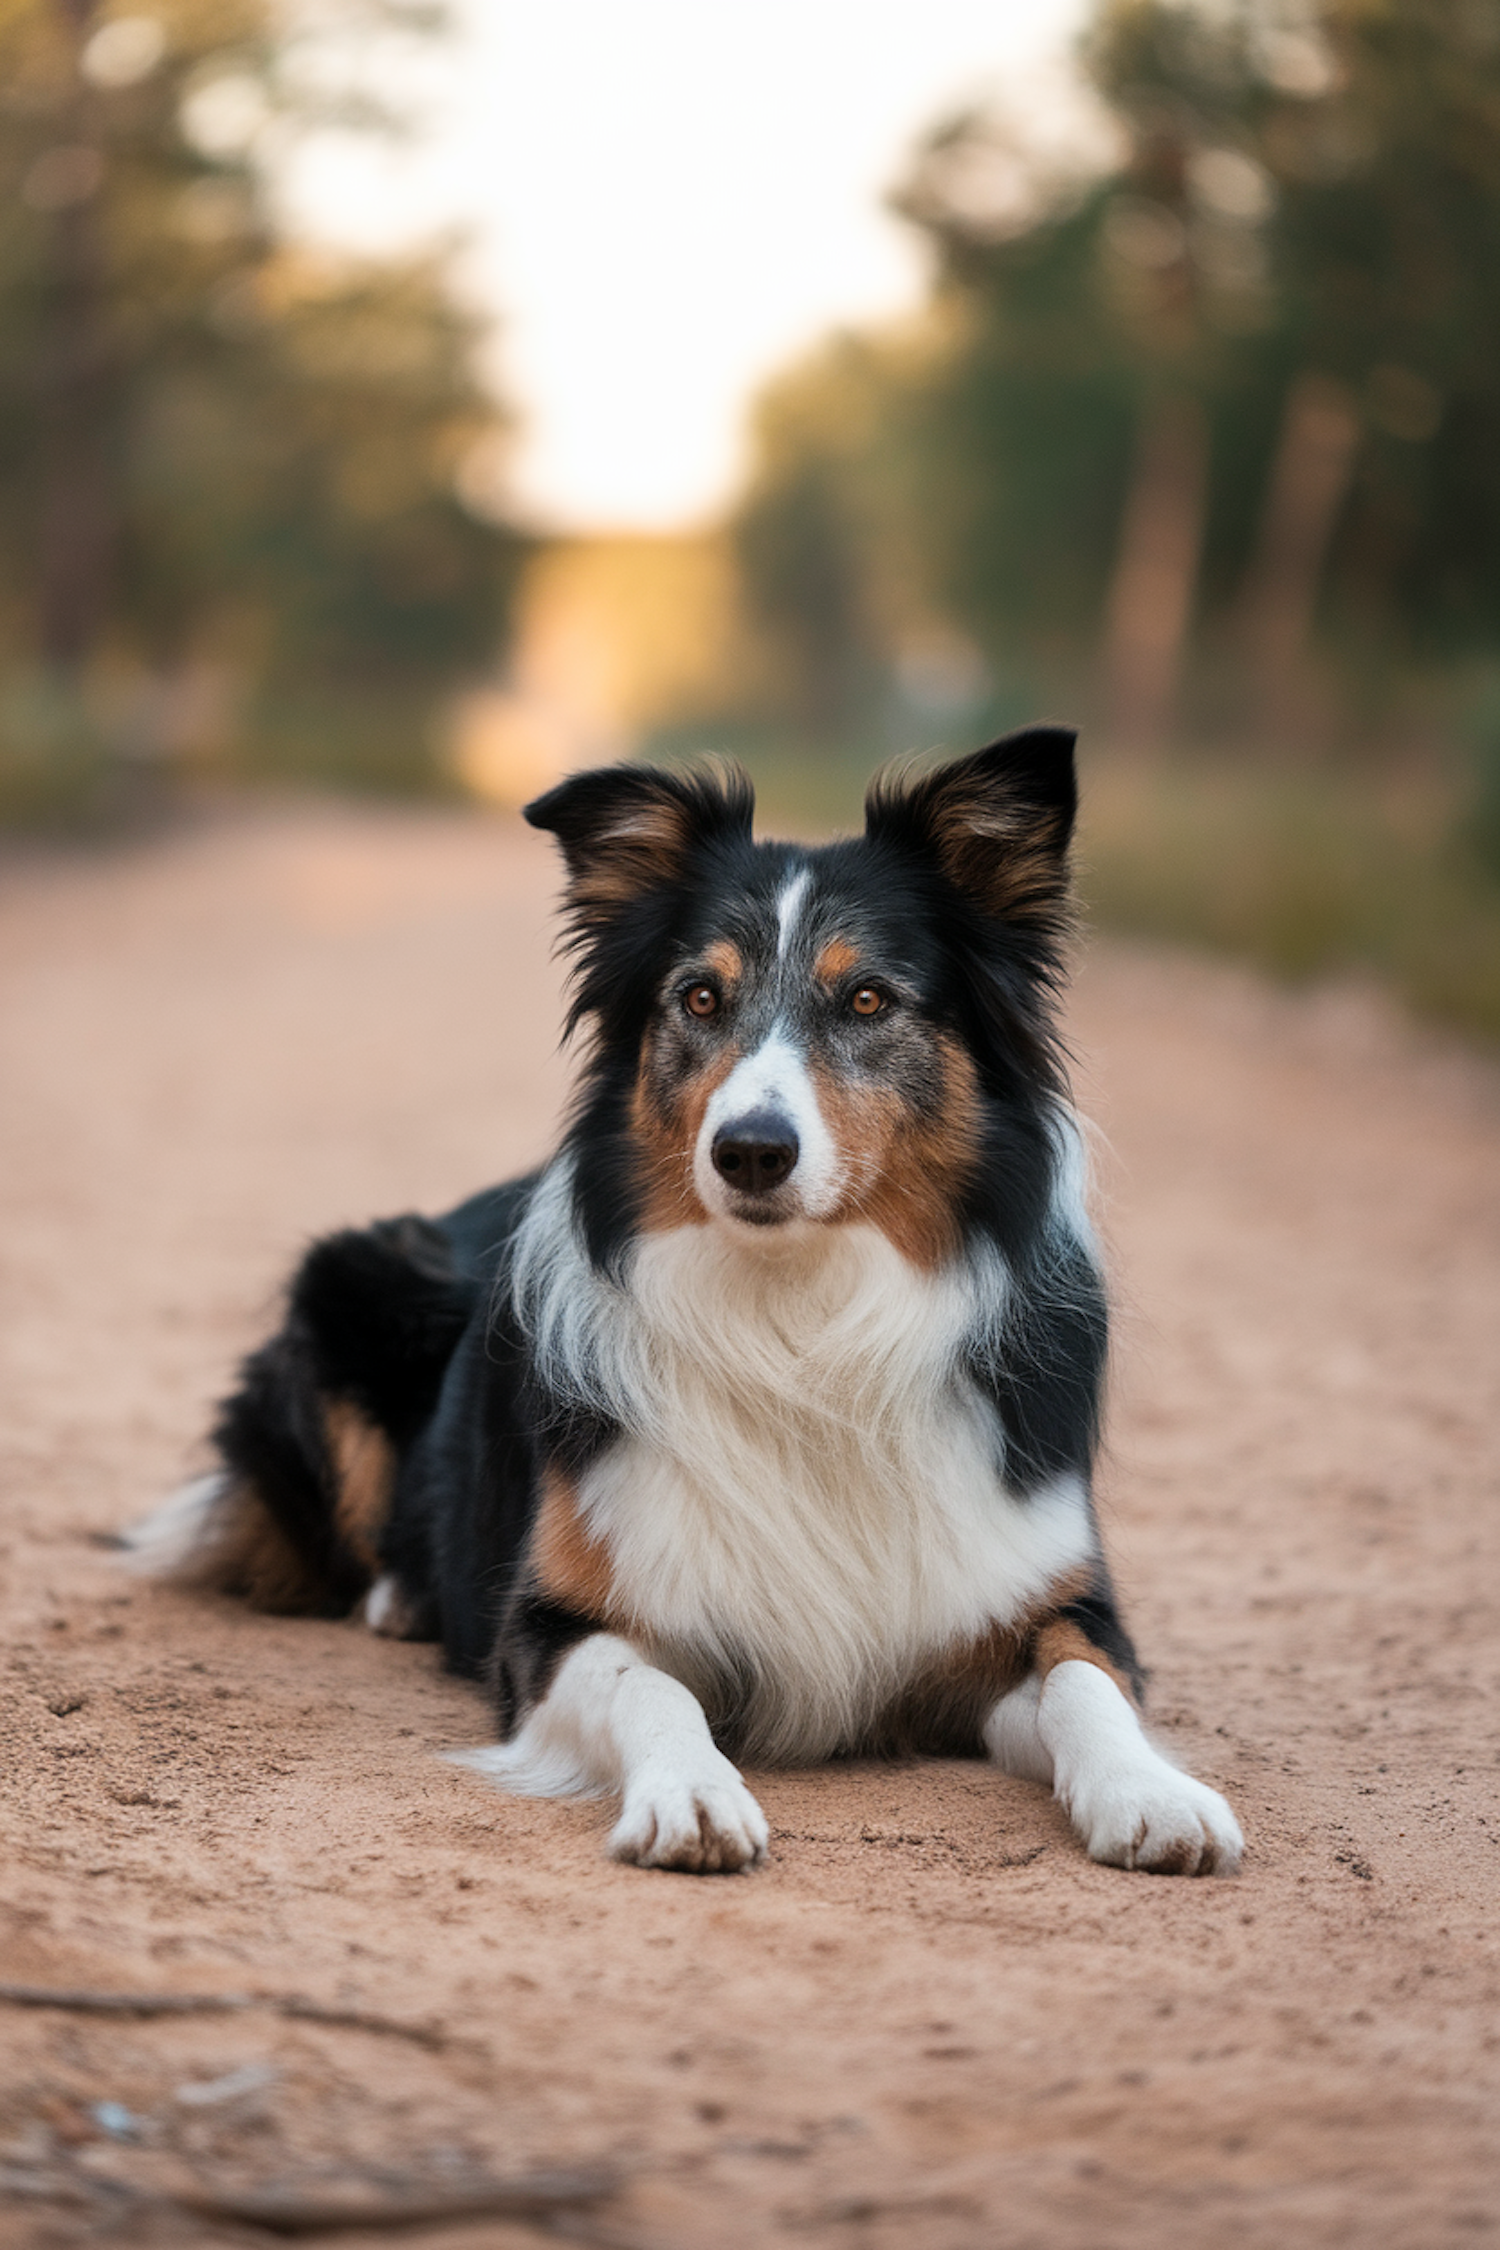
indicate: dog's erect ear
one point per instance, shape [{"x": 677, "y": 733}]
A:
[
  {"x": 996, "y": 824},
  {"x": 628, "y": 830}
]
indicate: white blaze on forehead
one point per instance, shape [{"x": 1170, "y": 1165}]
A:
[
  {"x": 788, "y": 907},
  {"x": 774, "y": 1078}
]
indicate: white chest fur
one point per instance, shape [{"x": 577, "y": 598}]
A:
[{"x": 809, "y": 1494}]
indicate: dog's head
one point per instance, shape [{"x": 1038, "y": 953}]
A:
[{"x": 792, "y": 1037}]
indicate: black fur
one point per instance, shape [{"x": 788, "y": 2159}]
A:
[
  {"x": 372, "y": 1319},
  {"x": 1047, "y": 1378}
]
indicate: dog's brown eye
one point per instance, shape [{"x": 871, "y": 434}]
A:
[
  {"x": 867, "y": 1001},
  {"x": 702, "y": 1000}
]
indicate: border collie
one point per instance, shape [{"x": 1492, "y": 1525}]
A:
[{"x": 758, "y": 1425}]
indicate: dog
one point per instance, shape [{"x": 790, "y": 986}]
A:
[{"x": 758, "y": 1425}]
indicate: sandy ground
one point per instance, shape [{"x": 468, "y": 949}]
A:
[{"x": 930, "y": 2020}]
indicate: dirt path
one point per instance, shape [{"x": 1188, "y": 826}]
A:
[{"x": 930, "y": 2021}]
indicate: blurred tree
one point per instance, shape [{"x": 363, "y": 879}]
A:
[
  {"x": 1241, "y": 378},
  {"x": 1352, "y": 150},
  {"x": 213, "y": 443},
  {"x": 808, "y": 541}
]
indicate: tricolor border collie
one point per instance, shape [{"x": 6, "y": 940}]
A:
[{"x": 758, "y": 1425}]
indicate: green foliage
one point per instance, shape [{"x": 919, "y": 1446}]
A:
[
  {"x": 1311, "y": 874},
  {"x": 1022, "y": 436},
  {"x": 1371, "y": 251},
  {"x": 813, "y": 536},
  {"x": 216, "y": 448},
  {"x": 1297, "y": 193},
  {"x": 1480, "y": 827},
  {"x": 341, "y": 734}
]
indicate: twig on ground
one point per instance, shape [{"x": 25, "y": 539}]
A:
[
  {"x": 80, "y": 2001},
  {"x": 294, "y": 2005},
  {"x": 542, "y": 2195},
  {"x": 299, "y": 2010},
  {"x": 555, "y": 2203}
]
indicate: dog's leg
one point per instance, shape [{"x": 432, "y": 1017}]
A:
[
  {"x": 1131, "y": 1806},
  {"x": 611, "y": 1721}
]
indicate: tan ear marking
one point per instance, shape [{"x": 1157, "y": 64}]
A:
[
  {"x": 630, "y": 857},
  {"x": 997, "y": 824},
  {"x": 658, "y": 827},
  {"x": 1010, "y": 857}
]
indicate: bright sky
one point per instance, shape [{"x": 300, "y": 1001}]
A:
[{"x": 669, "y": 199}]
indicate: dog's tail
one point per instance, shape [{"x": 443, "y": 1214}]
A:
[{"x": 310, "y": 1443}]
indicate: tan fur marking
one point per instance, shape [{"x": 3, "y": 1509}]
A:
[
  {"x": 364, "y": 1473},
  {"x": 1025, "y": 877},
  {"x": 1064, "y": 1642},
  {"x": 907, "y": 1171},
  {"x": 942, "y": 1712},
  {"x": 641, "y": 850},
  {"x": 837, "y": 959},
  {"x": 726, "y": 960},
  {"x": 566, "y": 1562},
  {"x": 667, "y": 1142},
  {"x": 268, "y": 1572},
  {"x": 244, "y": 1552}
]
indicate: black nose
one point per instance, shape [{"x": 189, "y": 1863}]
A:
[{"x": 755, "y": 1153}]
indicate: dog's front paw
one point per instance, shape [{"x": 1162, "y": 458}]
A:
[
  {"x": 1159, "y": 1820},
  {"x": 703, "y": 1824}
]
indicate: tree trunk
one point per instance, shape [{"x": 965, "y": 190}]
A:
[
  {"x": 77, "y": 527},
  {"x": 1310, "y": 479},
  {"x": 1151, "y": 597}
]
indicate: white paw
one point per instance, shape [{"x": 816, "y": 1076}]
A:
[
  {"x": 1158, "y": 1819},
  {"x": 705, "y": 1823},
  {"x": 387, "y": 1610}
]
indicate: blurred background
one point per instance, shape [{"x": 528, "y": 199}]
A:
[{"x": 429, "y": 401}]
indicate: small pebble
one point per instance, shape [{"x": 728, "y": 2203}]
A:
[
  {"x": 115, "y": 2119},
  {"x": 206, "y": 2091}
]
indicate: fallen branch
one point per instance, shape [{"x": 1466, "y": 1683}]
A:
[
  {"x": 293, "y": 2005},
  {"x": 299, "y": 2010},
  {"x": 541, "y": 2195},
  {"x": 81, "y": 2002}
]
